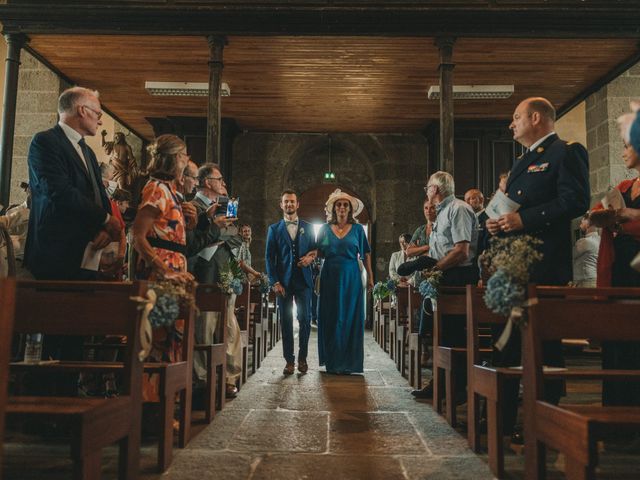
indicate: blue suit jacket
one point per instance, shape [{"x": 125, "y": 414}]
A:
[
  {"x": 551, "y": 184},
  {"x": 279, "y": 254},
  {"x": 64, "y": 216}
]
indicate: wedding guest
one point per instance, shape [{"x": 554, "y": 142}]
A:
[
  {"x": 243, "y": 253},
  {"x": 159, "y": 237},
  {"x": 475, "y": 199},
  {"x": 207, "y": 264},
  {"x": 398, "y": 258},
  {"x": 585, "y": 255},
  {"x": 452, "y": 245},
  {"x": 341, "y": 311},
  {"x": 550, "y": 181},
  {"x": 619, "y": 245}
]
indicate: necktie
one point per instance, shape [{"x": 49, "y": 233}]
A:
[
  {"x": 287, "y": 222},
  {"x": 86, "y": 152}
]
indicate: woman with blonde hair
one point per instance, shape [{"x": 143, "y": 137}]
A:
[{"x": 159, "y": 237}]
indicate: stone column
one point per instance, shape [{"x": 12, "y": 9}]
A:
[
  {"x": 445, "y": 46},
  {"x": 15, "y": 42},
  {"x": 216, "y": 47}
]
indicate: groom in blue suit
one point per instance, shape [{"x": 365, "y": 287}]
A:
[{"x": 289, "y": 254}]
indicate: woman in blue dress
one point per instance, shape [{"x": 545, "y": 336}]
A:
[{"x": 341, "y": 307}]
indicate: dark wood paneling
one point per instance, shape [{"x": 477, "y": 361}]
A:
[{"x": 326, "y": 84}]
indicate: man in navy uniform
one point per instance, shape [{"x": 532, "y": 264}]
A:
[{"x": 550, "y": 181}]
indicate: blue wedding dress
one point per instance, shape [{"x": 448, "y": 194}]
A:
[{"x": 341, "y": 304}]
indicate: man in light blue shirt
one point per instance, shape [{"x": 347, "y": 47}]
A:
[{"x": 452, "y": 243}]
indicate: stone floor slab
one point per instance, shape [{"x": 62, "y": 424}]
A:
[
  {"x": 328, "y": 467},
  {"x": 446, "y": 468},
  {"x": 374, "y": 433},
  {"x": 282, "y": 431},
  {"x": 202, "y": 464},
  {"x": 328, "y": 398}
]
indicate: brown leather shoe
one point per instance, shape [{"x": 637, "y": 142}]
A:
[
  {"x": 302, "y": 366},
  {"x": 289, "y": 369},
  {"x": 231, "y": 391}
]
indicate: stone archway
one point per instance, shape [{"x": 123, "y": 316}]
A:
[{"x": 354, "y": 173}]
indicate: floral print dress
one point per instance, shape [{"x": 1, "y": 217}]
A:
[{"x": 169, "y": 226}]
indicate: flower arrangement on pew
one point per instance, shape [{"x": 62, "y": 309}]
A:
[
  {"x": 429, "y": 287},
  {"x": 232, "y": 278},
  {"x": 383, "y": 290},
  {"x": 161, "y": 308},
  {"x": 508, "y": 261}
]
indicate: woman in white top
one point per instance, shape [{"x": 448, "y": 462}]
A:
[{"x": 399, "y": 257}]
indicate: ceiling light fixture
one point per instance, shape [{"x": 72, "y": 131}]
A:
[
  {"x": 183, "y": 89},
  {"x": 474, "y": 92}
]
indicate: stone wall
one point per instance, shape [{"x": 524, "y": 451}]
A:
[
  {"x": 36, "y": 110},
  {"x": 387, "y": 172},
  {"x": 603, "y": 136}
]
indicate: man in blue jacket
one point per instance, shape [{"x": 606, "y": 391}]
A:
[{"x": 289, "y": 254}]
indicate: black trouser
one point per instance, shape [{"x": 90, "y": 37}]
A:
[{"x": 454, "y": 326}]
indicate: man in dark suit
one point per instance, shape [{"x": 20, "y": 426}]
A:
[
  {"x": 206, "y": 265},
  {"x": 550, "y": 181},
  {"x": 70, "y": 211},
  {"x": 288, "y": 267}
]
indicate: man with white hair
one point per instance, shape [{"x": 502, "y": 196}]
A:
[
  {"x": 452, "y": 244},
  {"x": 69, "y": 207}
]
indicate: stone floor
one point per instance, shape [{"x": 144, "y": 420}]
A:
[
  {"x": 314, "y": 426},
  {"x": 321, "y": 426}
]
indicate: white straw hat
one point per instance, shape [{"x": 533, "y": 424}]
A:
[{"x": 356, "y": 205}]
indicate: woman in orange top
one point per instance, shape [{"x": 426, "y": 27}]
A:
[{"x": 159, "y": 237}]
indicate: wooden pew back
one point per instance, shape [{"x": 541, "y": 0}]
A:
[
  {"x": 84, "y": 309},
  {"x": 606, "y": 314},
  {"x": 7, "y": 308}
]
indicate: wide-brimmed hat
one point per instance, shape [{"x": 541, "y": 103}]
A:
[{"x": 356, "y": 205}]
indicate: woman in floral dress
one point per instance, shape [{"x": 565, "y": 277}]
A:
[{"x": 159, "y": 237}]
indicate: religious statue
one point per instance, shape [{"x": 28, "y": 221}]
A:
[{"x": 121, "y": 158}]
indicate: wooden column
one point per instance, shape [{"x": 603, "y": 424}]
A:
[
  {"x": 216, "y": 47},
  {"x": 15, "y": 42},
  {"x": 445, "y": 46}
]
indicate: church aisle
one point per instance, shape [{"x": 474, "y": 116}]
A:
[{"x": 320, "y": 426}]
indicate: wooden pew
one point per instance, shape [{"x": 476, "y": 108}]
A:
[
  {"x": 255, "y": 324},
  {"x": 7, "y": 308},
  {"x": 63, "y": 308},
  {"x": 414, "y": 309},
  {"x": 266, "y": 329},
  {"x": 175, "y": 379},
  {"x": 274, "y": 327},
  {"x": 447, "y": 360},
  {"x": 606, "y": 314},
  {"x": 391, "y": 329},
  {"x": 209, "y": 298},
  {"x": 402, "y": 328},
  {"x": 243, "y": 309},
  {"x": 484, "y": 381}
]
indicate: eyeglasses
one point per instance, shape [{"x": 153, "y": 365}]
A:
[
  {"x": 220, "y": 179},
  {"x": 97, "y": 112}
]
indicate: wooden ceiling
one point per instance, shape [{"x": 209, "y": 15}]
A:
[{"x": 327, "y": 84}]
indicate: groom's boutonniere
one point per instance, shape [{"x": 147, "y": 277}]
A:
[{"x": 301, "y": 231}]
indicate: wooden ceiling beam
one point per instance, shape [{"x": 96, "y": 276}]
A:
[{"x": 497, "y": 18}]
